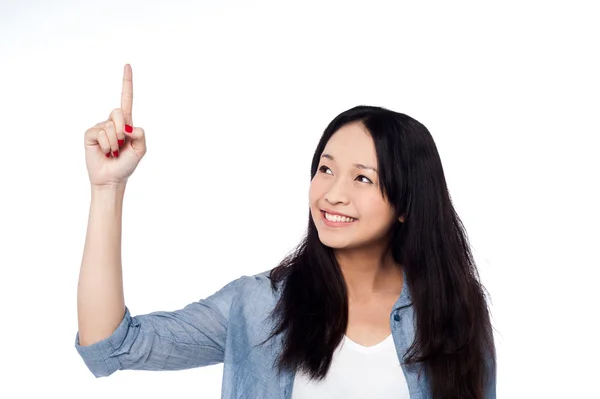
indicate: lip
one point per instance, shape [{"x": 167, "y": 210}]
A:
[{"x": 330, "y": 223}]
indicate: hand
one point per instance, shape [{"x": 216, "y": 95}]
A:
[{"x": 112, "y": 153}]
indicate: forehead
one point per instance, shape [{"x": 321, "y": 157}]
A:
[{"x": 352, "y": 143}]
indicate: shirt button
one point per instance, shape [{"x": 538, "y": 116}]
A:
[{"x": 396, "y": 317}]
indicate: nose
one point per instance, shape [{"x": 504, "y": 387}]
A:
[{"x": 337, "y": 193}]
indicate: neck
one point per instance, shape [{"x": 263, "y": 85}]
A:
[{"x": 370, "y": 273}]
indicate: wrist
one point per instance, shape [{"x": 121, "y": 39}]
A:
[{"x": 108, "y": 189}]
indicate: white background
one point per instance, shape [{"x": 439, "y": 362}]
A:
[{"x": 234, "y": 97}]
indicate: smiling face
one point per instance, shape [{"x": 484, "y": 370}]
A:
[{"x": 345, "y": 198}]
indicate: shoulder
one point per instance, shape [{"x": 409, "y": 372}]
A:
[
  {"x": 257, "y": 284},
  {"x": 262, "y": 277},
  {"x": 260, "y": 290}
]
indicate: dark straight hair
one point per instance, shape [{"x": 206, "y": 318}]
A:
[{"x": 453, "y": 339}]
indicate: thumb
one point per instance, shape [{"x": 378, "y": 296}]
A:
[{"x": 138, "y": 138}]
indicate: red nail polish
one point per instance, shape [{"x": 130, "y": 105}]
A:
[
  {"x": 116, "y": 153},
  {"x": 108, "y": 154},
  {"x": 121, "y": 142},
  {"x": 128, "y": 129}
]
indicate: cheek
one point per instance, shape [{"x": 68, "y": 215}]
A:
[
  {"x": 376, "y": 210},
  {"x": 316, "y": 190}
]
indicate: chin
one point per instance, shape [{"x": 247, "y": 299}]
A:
[{"x": 335, "y": 242}]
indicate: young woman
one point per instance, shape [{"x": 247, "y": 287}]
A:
[{"x": 380, "y": 300}]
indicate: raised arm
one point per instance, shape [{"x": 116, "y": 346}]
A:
[{"x": 108, "y": 337}]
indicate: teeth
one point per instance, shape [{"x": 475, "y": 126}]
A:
[{"x": 337, "y": 218}]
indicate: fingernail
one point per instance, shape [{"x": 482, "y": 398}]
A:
[
  {"x": 108, "y": 154},
  {"x": 128, "y": 129},
  {"x": 116, "y": 153},
  {"x": 121, "y": 142}
]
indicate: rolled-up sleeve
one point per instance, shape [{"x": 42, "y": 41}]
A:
[{"x": 190, "y": 337}]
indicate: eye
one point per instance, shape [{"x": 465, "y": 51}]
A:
[
  {"x": 364, "y": 179},
  {"x": 324, "y": 169}
]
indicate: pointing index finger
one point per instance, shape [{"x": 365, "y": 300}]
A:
[{"x": 127, "y": 95}]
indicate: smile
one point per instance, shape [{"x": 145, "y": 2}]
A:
[{"x": 336, "y": 220}]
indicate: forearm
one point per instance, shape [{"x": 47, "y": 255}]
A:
[{"x": 100, "y": 299}]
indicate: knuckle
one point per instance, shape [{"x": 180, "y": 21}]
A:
[
  {"x": 116, "y": 113},
  {"x": 94, "y": 129},
  {"x": 110, "y": 125}
]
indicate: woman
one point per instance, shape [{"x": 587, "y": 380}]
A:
[{"x": 380, "y": 300}]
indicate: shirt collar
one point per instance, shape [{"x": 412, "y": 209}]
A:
[{"x": 405, "y": 298}]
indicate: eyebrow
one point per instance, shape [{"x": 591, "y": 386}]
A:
[{"x": 356, "y": 165}]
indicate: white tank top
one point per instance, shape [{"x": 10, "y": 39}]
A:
[{"x": 357, "y": 372}]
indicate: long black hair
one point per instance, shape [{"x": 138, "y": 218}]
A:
[{"x": 453, "y": 338}]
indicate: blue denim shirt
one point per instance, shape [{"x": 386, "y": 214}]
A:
[{"x": 226, "y": 328}]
